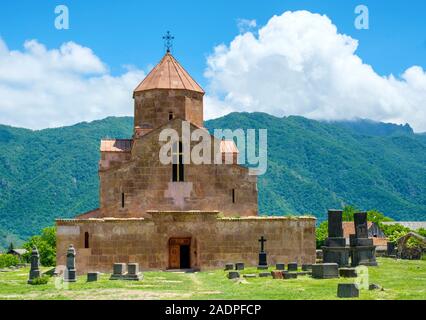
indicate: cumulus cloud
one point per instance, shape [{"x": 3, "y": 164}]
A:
[
  {"x": 299, "y": 64},
  {"x": 42, "y": 87}
]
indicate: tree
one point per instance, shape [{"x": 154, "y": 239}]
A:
[
  {"x": 10, "y": 247},
  {"x": 46, "y": 245},
  {"x": 348, "y": 213},
  {"x": 321, "y": 234}
]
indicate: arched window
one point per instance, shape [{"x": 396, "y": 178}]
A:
[
  {"x": 86, "y": 240},
  {"x": 122, "y": 200},
  {"x": 233, "y": 195},
  {"x": 171, "y": 115},
  {"x": 177, "y": 165}
]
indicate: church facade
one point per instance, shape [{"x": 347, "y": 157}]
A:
[{"x": 178, "y": 215}]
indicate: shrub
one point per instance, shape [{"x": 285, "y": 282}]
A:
[
  {"x": 321, "y": 233},
  {"x": 46, "y": 245},
  {"x": 40, "y": 281},
  {"x": 8, "y": 260}
]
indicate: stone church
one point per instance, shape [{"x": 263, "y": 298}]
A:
[{"x": 178, "y": 215}]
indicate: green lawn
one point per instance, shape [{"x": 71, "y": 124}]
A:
[{"x": 401, "y": 279}]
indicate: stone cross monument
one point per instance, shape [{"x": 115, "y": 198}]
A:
[
  {"x": 35, "y": 265},
  {"x": 335, "y": 250},
  {"x": 263, "y": 263},
  {"x": 70, "y": 274},
  {"x": 363, "y": 252}
]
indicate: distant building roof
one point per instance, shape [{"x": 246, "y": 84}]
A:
[
  {"x": 17, "y": 251},
  {"x": 168, "y": 74},
  {"x": 412, "y": 225},
  {"x": 116, "y": 145},
  {"x": 349, "y": 227}
]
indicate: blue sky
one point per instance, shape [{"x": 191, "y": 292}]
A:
[
  {"x": 129, "y": 32},
  {"x": 377, "y": 73}
]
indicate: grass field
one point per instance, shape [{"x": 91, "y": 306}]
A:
[{"x": 400, "y": 279}]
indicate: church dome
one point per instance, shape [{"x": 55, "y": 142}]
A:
[{"x": 168, "y": 74}]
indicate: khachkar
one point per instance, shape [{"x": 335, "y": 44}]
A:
[
  {"x": 70, "y": 274},
  {"x": 363, "y": 252},
  {"x": 263, "y": 262},
  {"x": 335, "y": 249},
  {"x": 35, "y": 265}
]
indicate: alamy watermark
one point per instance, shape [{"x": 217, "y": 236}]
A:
[
  {"x": 362, "y": 21},
  {"x": 62, "y": 20},
  {"x": 199, "y": 147}
]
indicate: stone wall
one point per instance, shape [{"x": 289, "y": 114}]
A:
[
  {"x": 214, "y": 240},
  {"x": 146, "y": 183},
  {"x": 152, "y": 107}
]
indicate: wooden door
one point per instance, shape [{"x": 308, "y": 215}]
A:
[{"x": 174, "y": 251}]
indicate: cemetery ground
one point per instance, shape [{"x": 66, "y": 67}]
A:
[{"x": 400, "y": 279}]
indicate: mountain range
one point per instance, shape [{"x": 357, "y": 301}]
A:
[{"x": 312, "y": 166}]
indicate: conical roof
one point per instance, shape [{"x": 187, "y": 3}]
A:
[{"x": 168, "y": 74}]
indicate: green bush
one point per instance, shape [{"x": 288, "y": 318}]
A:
[
  {"x": 46, "y": 245},
  {"x": 40, "y": 281},
  {"x": 422, "y": 232},
  {"x": 8, "y": 260},
  {"x": 321, "y": 234}
]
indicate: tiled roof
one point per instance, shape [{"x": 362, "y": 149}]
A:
[
  {"x": 116, "y": 145},
  {"x": 168, "y": 74},
  {"x": 228, "y": 146},
  {"x": 349, "y": 227}
]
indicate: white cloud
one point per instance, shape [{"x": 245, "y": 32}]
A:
[
  {"x": 245, "y": 25},
  {"x": 42, "y": 88},
  {"x": 300, "y": 65}
]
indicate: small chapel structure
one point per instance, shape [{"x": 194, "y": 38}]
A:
[{"x": 178, "y": 215}]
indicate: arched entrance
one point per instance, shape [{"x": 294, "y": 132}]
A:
[{"x": 180, "y": 253}]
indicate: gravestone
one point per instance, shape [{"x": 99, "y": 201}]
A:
[
  {"x": 280, "y": 266},
  {"x": 325, "y": 270},
  {"x": 306, "y": 267},
  {"x": 239, "y": 266},
  {"x": 118, "y": 271},
  {"x": 229, "y": 266},
  {"x": 35, "y": 265},
  {"x": 335, "y": 250},
  {"x": 363, "y": 252},
  {"x": 133, "y": 272},
  {"x": 289, "y": 275},
  {"x": 347, "y": 290},
  {"x": 92, "y": 276},
  {"x": 292, "y": 266},
  {"x": 249, "y": 275},
  {"x": 70, "y": 273},
  {"x": 263, "y": 263},
  {"x": 264, "y": 274},
  {"x": 233, "y": 275},
  {"x": 276, "y": 274},
  {"x": 348, "y": 272}
]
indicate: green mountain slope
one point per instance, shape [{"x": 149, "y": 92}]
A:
[{"x": 312, "y": 166}]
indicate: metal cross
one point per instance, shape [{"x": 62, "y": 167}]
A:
[
  {"x": 168, "y": 41},
  {"x": 262, "y": 241}
]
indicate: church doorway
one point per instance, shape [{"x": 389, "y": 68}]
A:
[{"x": 180, "y": 253}]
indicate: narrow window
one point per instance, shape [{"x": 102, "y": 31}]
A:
[
  {"x": 233, "y": 195},
  {"x": 177, "y": 166},
  {"x": 86, "y": 240},
  {"x": 122, "y": 200},
  {"x": 171, "y": 116}
]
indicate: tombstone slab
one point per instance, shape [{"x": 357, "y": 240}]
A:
[
  {"x": 233, "y": 275},
  {"x": 292, "y": 266},
  {"x": 239, "y": 266},
  {"x": 35, "y": 266},
  {"x": 276, "y": 274},
  {"x": 306, "y": 267},
  {"x": 133, "y": 272},
  {"x": 347, "y": 290},
  {"x": 280, "y": 266},
  {"x": 229, "y": 266},
  {"x": 92, "y": 276},
  {"x": 348, "y": 272},
  {"x": 289, "y": 275},
  {"x": 118, "y": 271},
  {"x": 249, "y": 275},
  {"x": 325, "y": 271},
  {"x": 264, "y": 274}
]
